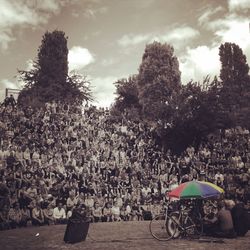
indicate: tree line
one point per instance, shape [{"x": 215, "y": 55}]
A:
[
  {"x": 184, "y": 114},
  {"x": 179, "y": 114}
]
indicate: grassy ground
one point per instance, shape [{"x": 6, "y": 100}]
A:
[{"x": 108, "y": 236}]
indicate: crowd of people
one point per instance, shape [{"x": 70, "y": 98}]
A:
[{"x": 59, "y": 156}]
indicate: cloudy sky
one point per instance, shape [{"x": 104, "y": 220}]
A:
[{"x": 106, "y": 38}]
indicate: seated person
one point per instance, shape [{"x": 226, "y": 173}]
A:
[
  {"x": 115, "y": 210},
  {"x": 222, "y": 224},
  {"x": 15, "y": 215},
  {"x": 59, "y": 214},
  {"x": 240, "y": 217},
  {"x": 37, "y": 215},
  {"x": 97, "y": 212},
  {"x": 107, "y": 215},
  {"x": 124, "y": 213},
  {"x": 136, "y": 212},
  {"x": 5, "y": 222},
  {"x": 48, "y": 214},
  {"x": 155, "y": 209},
  {"x": 71, "y": 202},
  {"x": 210, "y": 218},
  {"x": 26, "y": 217}
]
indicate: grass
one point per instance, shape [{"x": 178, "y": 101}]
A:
[{"x": 108, "y": 236}]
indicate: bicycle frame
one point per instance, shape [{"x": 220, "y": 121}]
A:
[{"x": 183, "y": 216}]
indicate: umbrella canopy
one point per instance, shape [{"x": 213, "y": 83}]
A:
[{"x": 196, "y": 189}]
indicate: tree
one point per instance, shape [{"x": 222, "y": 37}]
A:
[
  {"x": 158, "y": 81},
  {"x": 235, "y": 91},
  {"x": 127, "y": 94},
  {"x": 198, "y": 113},
  {"x": 48, "y": 80},
  {"x": 126, "y": 106}
]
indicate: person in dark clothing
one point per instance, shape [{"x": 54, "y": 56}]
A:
[
  {"x": 240, "y": 217},
  {"x": 12, "y": 101}
]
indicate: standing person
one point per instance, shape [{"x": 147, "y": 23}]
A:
[{"x": 12, "y": 101}]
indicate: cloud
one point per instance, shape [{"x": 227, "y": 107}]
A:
[
  {"x": 180, "y": 33},
  {"x": 232, "y": 28},
  {"x": 6, "y": 83},
  {"x": 92, "y": 13},
  {"x": 132, "y": 39},
  {"x": 5, "y": 38},
  {"x": 238, "y": 5},
  {"x": 108, "y": 62},
  {"x": 104, "y": 89},
  {"x": 79, "y": 58},
  {"x": 206, "y": 16},
  {"x": 22, "y": 13},
  {"x": 178, "y": 36},
  {"x": 9, "y": 84},
  {"x": 29, "y": 64},
  {"x": 199, "y": 62}
]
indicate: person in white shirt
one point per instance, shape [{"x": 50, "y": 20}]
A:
[
  {"x": 89, "y": 201},
  {"x": 115, "y": 211},
  {"x": 59, "y": 214},
  {"x": 145, "y": 190}
]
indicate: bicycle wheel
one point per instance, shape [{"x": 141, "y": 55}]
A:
[
  {"x": 193, "y": 227},
  {"x": 174, "y": 224},
  {"x": 158, "y": 228}
]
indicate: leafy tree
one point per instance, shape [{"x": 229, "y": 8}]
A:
[
  {"x": 198, "y": 113},
  {"x": 158, "y": 81},
  {"x": 235, "y": 91},
  {"x": 126, "y": 106},
  {"x": 127, "y": 94},
  {"x": 48, "y": 80}
]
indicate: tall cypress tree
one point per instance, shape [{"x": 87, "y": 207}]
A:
[
  {"x": 158, "y": 81},
  {"x": 235, "y": 92},
  {"x": 48, "y": 80}
]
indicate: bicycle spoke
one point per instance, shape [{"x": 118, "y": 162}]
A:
[{"x": 159, "y": 230}]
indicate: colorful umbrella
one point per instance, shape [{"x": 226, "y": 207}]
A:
[{"x": 196, "y": 189}]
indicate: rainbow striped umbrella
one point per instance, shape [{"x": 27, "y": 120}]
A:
[{"x": 196, "y": 189}]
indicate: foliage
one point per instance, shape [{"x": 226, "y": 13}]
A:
[
  {"x": 48, "y": 80},
  {"x": 127, "y": 94},
  {"x": 183, "y": 115},
  {"x": 158, "y": 81},
  {"x": 198, "y": 113},
  {"x": 126, "y": 102},
  {"x": 235, "y": 91}
]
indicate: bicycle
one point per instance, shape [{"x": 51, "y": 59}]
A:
[{"x": 184, "y": 222}]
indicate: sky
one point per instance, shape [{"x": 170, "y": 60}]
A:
[{"x": 107, "y": 38}]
